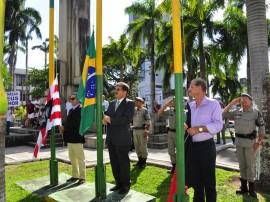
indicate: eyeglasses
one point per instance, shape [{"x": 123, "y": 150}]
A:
[{"x": 72, "y": 98}]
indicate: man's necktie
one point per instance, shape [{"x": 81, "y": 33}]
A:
[{"x": 116, "y": 105}]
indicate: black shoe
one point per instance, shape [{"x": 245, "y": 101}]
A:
[
  {"x": 116, "y": 187},
  {"x": 72, "y": 179},
  {"x": 217, "y": 142},
  {"x": 124, "y": 190},
  {"x": 81, "y": 181}
]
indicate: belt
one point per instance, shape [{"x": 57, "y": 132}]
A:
[
  {"x": 138, "y": 128},
  {"x": 205, "y": 142},
  {"x": 250, "y": 136},
  {"x": 171, "y": 130}
]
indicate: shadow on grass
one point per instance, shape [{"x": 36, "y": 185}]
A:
[
  {"x": 31, "y": 197},
  {"x": 135, "y": 173},
  {"x": 163, "y": 189}
]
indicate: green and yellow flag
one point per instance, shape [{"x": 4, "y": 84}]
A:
[{"x": 87, "y": 89}]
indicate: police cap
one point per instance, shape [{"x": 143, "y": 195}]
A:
[
  {"x": 246, "y": 95},
  {"x": 139, "y": 99}
]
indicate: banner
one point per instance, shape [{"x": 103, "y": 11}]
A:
[{"x": 13, "y": 99}]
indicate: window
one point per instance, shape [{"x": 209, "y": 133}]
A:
[{"x": 20, "y": 79}]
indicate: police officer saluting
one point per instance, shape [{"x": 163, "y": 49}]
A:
[
  {"x": 246, "y": 119},
  {"x": 168, "y": 110},
  {"x": 141, "y": 124}
]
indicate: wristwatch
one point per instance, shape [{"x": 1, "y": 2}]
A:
[{"x": 200, "y": 129}]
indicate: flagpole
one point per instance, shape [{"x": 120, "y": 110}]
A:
[
  {"x": 100, "y": 174},
  {"x": 178, "y": 75},
  {"x": 53, "y": 161}
]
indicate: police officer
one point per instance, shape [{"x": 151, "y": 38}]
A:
[
  {"x": 168, "y": 110},
  {"x": 141, "y": 124},
  {"x": 246, "y": 119}
]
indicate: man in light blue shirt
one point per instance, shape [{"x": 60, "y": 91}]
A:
[{"x": 206, "y": 121}]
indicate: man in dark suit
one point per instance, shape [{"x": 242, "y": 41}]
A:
[
  {"x": 75, "y": 141},
  {"x": 118, "y": 118}
]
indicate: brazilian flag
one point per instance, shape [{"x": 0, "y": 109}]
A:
[{"x": 87, "y": 89}]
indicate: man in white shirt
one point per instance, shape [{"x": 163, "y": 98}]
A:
[
  {"x": 68, "y": 105},
  {"x": 10, "y": 120},
  {"x": 105, "y": 103}
]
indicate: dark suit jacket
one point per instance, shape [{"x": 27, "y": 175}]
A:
[
  {"x": 72, "y": 126},
  {"x": 188, "y": 152},
  {"x": 118, "y": 132}
]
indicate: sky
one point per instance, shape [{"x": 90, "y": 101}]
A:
[{"x": 114, "y": 24}]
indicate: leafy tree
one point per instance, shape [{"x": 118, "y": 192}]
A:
[
  {"x": 38, "y": 79},
  {"x": 7, "y": 79},
  {"x": 115, "y": 54},
  {"x": 133, "y": 58}
]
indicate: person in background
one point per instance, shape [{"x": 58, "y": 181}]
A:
[
  {"x": 168, "y": 110},
  {"x": 68, "y": 105},
  {"x": 246, "y": 119},
  {"x": 141, "y": 124},
  {"x": 206, "y": 121},
  {"x": 30, "y": 109},
  {"x": 223, "y": 128},
  {"x": 118, "y": 118},
  {"x": 105, "y": 103},
  {"x": 144, "y": 103},
  {"x": 37, "y": 104},
  {"x": 10, "y": 120},
  {"x": 75, "y": 141},
  {"x": 156, "y": 107}
]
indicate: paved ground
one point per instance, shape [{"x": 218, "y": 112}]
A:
[{"x": 226, "y": 157}]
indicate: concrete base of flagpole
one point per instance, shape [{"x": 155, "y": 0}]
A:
[{"x": 70, "y": 192}]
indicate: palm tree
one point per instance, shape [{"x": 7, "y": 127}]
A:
[
  {"x": 123, "y": 59},
  {"x": 17, "y": 20},
  {"x": 143, "y": 30},
  {"x": 258, "y": 52},
  {"x": 44, "y": 47},
  {"x": 29, "y": 37},
  {"x": 115, "y": 54},
  {"x": 199, "y": 24}
]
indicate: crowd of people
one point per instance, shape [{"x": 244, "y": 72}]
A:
[{"x": 128, "y": 122}]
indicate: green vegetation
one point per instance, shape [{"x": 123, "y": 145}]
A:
[{"x": 158, "y": 186}]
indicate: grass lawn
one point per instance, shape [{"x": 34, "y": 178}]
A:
[{"x": 152, "y": 180}]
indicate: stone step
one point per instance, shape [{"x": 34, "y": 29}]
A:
[
  {"x": 156, "y": 138},
  {"x": 91, "y": 141},
  {"x": 24, "y": 130},
  {"x": 162, "y": 145},
  {"x": 33, "y": 144}
]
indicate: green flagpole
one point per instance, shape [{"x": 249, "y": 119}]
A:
[
  {"x": 53, "y": 161},
  {"x": 180, "y": 195},
  {"x": 100, "y": 174}
]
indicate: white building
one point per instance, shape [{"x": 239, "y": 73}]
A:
[{"x": 19, "y": 80}]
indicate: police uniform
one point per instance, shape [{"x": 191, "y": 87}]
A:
[
  {"x": 171, "y": 117},
  {"x": 246, "y": 123},
  {"x": 141, "y": 118}
]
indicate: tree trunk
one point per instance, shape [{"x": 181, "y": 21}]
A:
[
  {"x": 248, "y": 74},
  {"x": 202, "y": 57},
  {"x": 259, "y": 72}
]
